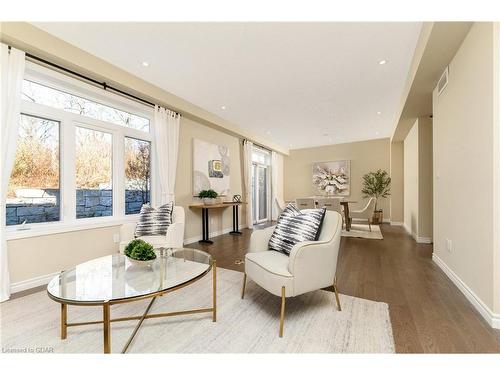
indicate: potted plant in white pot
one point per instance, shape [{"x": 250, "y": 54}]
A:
[
  {"x": 140, "y": 252},
  {"x": 208, "y": 196},
  {"x": 378, "y": 185}
]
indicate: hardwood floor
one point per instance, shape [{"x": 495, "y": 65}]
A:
[{"x": 428, "y": 313}]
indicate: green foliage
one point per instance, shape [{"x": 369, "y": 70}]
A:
[
  {"x": 140, "y": 250},
  {"x": 376, "y": 184},
  {"x": 208, "y": 194}
]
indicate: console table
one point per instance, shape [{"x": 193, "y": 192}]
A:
[{"x": 204, "y": 217}]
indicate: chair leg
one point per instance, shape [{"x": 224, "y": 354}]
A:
[
  {"x": 336, "y": 290},
  {"x": 369, "y": 225},
  {"x": 244, "y": 284},
  {"x": 282, "y": 316}
]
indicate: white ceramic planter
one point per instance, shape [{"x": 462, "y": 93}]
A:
[
  {"x": 209, "y": 200},
  {"x": 143, "y": 263}
]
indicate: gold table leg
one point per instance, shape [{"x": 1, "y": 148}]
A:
[
  {"x": 244, "y": 285},
  {"x": 214, "y": 313},
  {"x": 64, "y": 321},
  {"x": 107, "y": 327},
  {"x": 282, "y": 316}
]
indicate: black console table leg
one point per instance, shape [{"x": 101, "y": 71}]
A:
[
  {"x": 205, "y": 229},
  {"x": 236, "y": 225}
]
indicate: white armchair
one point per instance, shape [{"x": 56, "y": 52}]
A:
[
  {"x": 173, "y": 238},
  {"x": 311, "y": 265}
]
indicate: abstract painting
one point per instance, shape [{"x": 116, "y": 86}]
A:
[
  {"x": 332, "y": 177},
  {"x": 210, "y": 167}
]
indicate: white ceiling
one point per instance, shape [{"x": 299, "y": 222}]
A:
[{"x": 299, "y": 84}]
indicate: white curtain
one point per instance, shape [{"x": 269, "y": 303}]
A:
[
  {"x": 166, "y": 129},
  {"x": 247, "y": 180},
  {"x": 274, "y": 185},
  {"x": 11, "y": 81}
]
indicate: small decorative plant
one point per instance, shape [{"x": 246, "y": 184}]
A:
[
  {"x": 378, "y": 185},
  {"x": 210, "y": 193},
  {"x": 209, "y": 196},
  {"x": 140, "y": 250}
]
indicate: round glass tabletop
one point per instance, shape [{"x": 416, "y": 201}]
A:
[{"x": 115, "y": 277}]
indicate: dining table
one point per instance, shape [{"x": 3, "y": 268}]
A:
[{"x": 344, "y": 202}]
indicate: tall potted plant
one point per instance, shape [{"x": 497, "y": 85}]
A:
[{"x": 377, "y": 185}]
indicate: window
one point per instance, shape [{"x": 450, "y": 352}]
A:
[
  {"x": 83, "y": 158},
  {"x": 261, "y": 190},
  {"x": 33, "y": 193},
  {"x": 94, "y": 191},
  {"x": 41, "y": 94},
  {"x": 137, "y": 174}
]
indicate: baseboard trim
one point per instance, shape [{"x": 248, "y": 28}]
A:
[
  {"x": 191, "y": 240},
  {"x": 31, "y": 283},
  {"x": 423, "y": 239},
  {"x": 492, "y": 318},
  {"x": 417, "y": 238},
  {"x": 398, "y": 223}
]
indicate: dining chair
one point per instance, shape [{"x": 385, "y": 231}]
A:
[
  {"x": 304, "y": 203},
  {"x": 331, "y": 204},
  {"x": 366, "y": 212},
  {"x": 280, "y": 206}
]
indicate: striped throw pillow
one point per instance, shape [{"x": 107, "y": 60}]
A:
[
  {"x": 296, "y": 226},
  {"x": 154, "y": 221}
]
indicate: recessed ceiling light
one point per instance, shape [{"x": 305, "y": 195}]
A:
[
  {"x": 268, "y": 132},
  {"x": 145, "y": 63},
  {"x": 376, "y": 133},
  {"x": 379, "y": 113},
  {"x": 325, "y": 134},
  {"x": 223, "y": 107},
  {"x": 382, "y": 62}
]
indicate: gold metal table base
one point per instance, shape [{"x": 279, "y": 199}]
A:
[{"x": 106, "y": 322}]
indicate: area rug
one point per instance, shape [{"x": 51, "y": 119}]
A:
[
  {"x": 363, "y": 231},
  {"x": 312, "y": 323}
]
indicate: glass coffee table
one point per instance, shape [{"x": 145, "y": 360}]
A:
[{"x": 114, "y": 279}]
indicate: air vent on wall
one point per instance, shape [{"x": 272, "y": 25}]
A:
[{"x": 443, "y": 81}]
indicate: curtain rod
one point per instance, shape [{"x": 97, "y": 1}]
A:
[
  {"x": 103, "y": 84},
  {"x": 258, "y": 145}
]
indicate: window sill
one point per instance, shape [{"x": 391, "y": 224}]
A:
[{"x": 47, "y": 229}]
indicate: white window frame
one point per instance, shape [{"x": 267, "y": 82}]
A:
[{"x": 67, "y": 177}]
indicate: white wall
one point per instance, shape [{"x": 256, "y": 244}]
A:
[
  {"x": 418, "y": 180},
  {"x": 365, "y": 156},
  {"x": 411, "y": 181},
  {"x": 463, "y": 132}
]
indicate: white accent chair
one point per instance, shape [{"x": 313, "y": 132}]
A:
[
  {"x": 174, "y": 237},
  {"x": 366, "y": 213},
  {"x": 312, "y": 265},
  {"x": 304, "y": 203}
]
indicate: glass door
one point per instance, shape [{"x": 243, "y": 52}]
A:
[{"x": 260, "y": 192}]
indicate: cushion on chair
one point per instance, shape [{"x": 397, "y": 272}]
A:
[
  {"x": 154, "y": 221},
  {"x": 269, "y": 269},
  {"x": 296, "y": 226}
]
